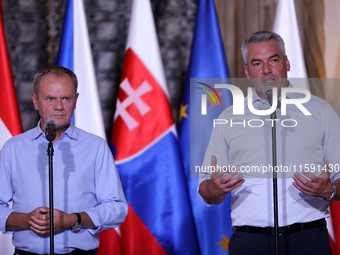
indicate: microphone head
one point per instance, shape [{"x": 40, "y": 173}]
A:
[
  {"x": 50, "y": 122},
  {"x": 50, "y": 129},
  {"x": 267, "y": 91}
]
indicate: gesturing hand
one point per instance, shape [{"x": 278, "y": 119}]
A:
[
  {"x": 316, "y": 186},
  {"x": 222, "y": 185}
]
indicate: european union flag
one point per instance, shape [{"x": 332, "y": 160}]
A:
[{"x": 207, "y": 60}]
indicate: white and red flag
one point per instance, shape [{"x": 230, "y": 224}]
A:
[
  {"x": 286, "y": 25},
  {"x": 10, "y": 123},
  {"x": 75, "y": 54}
]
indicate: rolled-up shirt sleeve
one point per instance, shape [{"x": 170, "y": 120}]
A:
[
  {"x": 6, "y": 191},
  {"x": 218, "y": 147},
  {"x": 112, "y": 208}
]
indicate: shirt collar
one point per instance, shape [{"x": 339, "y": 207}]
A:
[
  {"x": 288, "y": 95},
  {"x": 71, "y": 132}
]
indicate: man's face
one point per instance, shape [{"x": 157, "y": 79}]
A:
[
  {"x": 56, "y": 99},
  {"x": 266, "y": 66}
]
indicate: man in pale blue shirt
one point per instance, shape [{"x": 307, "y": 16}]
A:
[
  {"x": 314, "y": 141},
  {"x": 88, "y": 196}
]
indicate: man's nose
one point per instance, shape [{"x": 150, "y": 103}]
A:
[
  {"x": 58, "y": 104},
  {"x": 267, "y": 68}
]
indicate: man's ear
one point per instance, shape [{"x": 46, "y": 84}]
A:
[
  {"x": 287, "y": 63},
  {"x": 75, "y": 104},
  {"x": 35, "y": 100},
  {"x": 246, "y": 71}
]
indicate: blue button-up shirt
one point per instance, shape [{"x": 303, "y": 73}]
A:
[{"x": 85, "y": 179}]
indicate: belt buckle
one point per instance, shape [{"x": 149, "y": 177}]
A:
[
  {"x": 290, "y": 229},
  {"x": 273, "y": 231},
  {"x": 278, "y": 230}
]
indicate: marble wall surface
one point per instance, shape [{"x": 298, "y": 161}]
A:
[{"x": 30, "y": 45}]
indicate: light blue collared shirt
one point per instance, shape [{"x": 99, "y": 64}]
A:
[
  {"x": 245, "y": 142},
  {"x": 85, "y": 179}
]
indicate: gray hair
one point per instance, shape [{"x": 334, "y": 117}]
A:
[
  {"x": 261, "y": 36},
  {"x": 58, "y": 71}
]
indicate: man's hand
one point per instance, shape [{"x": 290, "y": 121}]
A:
[
  {"x": 316, "y": 186},
  {"x": 215, "y": 189},
  {"x": 222, "y": 185},
  {"x": 40, "y": 220}
]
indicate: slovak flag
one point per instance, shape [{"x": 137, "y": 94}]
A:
[
  {"x": 146, "y": 149},
  {"x": 10, "y": 123}
]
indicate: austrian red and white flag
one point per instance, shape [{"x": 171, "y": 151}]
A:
[{"x": 10, "y": 123}]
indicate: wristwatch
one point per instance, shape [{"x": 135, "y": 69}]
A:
[
  {"x": 76, "y": 227},
  {"x": 332, "y": 196}
]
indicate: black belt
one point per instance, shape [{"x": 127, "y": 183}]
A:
[
  {"x": 74, "y": 252},
  {"x": 282, "y": 230}
]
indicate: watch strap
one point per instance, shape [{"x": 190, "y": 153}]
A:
[
  {"x": 76, "y": 227},
  {"x": 78, "y": 218},
  {"x": 332, "y": 196}
]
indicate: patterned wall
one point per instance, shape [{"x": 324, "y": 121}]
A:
[{"x": 29, "y": 45}]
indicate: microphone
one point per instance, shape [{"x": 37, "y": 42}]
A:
[
  {"x": 50, "y": 130},
  {"x": 268, "y": 93}
]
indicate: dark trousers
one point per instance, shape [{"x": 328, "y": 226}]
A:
[
  {"x": 314, "y": 241},
  {"x": 75, "y": 252}
]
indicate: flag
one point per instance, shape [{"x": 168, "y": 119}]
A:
[
  {"x": 75, "y": 54},
  {"x": 286, "y": 25},
  {"x": 207, "y": 60},
  {"x": 110, "y": 242},
  {"x": 333, "y": 226},
  {"x": 10, "y": 123},
  {"x": 146, "y": 149},
  {"x": 333, "y": 223}
]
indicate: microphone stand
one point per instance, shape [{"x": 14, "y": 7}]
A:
[
  {"x": 50, "y": 153},
  {"x": 273, "y": 116}
]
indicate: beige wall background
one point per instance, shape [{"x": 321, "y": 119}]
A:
[
  {"x": 332, "y": 52},
  {"x": 319, "y": 27}
]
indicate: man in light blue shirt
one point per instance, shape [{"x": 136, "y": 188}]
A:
[
  {"x": 307, "y": 142},
  {"x": 88, "y": 196}
]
